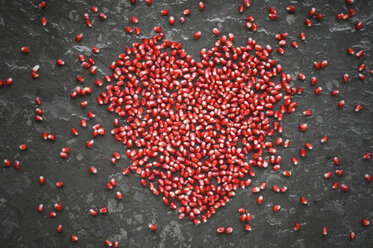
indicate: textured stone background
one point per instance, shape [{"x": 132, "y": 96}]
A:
[{"x": 350, "y": 133}]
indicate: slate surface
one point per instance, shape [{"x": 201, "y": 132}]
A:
[{"x": 350, "y": 133}]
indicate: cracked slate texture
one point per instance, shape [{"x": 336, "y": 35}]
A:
[{"x": 350, "y": 133}]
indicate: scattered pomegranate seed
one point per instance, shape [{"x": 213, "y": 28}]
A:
[
  {"x": 290, "y": 9},
  {"x": 152, "y": 227},
  {"x": 367, "y": 156},
  {"x": 352, "y": 236},
  {"x": 201, "y": 5},
  {"x": 358, "y": 25},
  {"x": 74, "y": 238},
  {"x": 41, "y": 180},
  {"x": 296, "y": 226},
  {"x": 276, "y": 208},
  {"x": 229, "y": 230},
  {"x": 324, "y": 230},
  {"x": 43, "y": 21},
  {"x": 59, "y": 228},
  {"x": 197, "y": 35},
  {"x": 164, "y": 12},
  {"x": 365, "y": 222}
]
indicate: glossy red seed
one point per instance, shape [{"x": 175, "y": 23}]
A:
[
  {"x": 344, "y": 187},
  {"x": 201, "y": 5},
  {"x": 102, "y": 16},
  {"x": 327, "y": 175},
  {"x": 171, "y": 20},
  {"x": 134, "y": 19},
  {"x": 74, "y": 238},
  {"x": 40, "y": 208},
  {"x": 324, "y": 230},
  {"x": 43, "y": 21},
  {"x": 365, "y": 222},
  {"x": 59, "y": 228},
  {"x": 319, "y": 17},
  {"x": 152, "y": 227},
  {"x": 290, "y": 8},
  {"x": 368, "y": 177},
  {"x": 296, "y": 226},
  {"x": 164, "y": 12},
  {"x": 303, "y": 127},
  {"x": 276, "y": 208},
  {"x": 367, "y": 156},
  {"x": 197, "y": 34},
  {"x": 41, "y": 180},
  {"x": 216, "y": 31},
  {"x": 341, "y": 103},
  {"x": 358, "y": 25},
  {"x": 229, "y": 230},
  {"x": 58, "y": 206}
]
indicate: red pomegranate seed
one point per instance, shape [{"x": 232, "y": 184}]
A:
[
  {"x": 324, "y": 230},
  {"x": 25, "y": 49},
  {"x": 60, "y": 184},
  {"x": 259, "y": 200},
  {"x": 108, "y": 243},
  {"x": 94, "y": 9},
  {"x": 186, "y": 12},
  {"x": 312, "y": 11},
  {"x": 352, "y": 236},
  {"x": 119, "y": 195},
  {"x": 58, "y": 206},
  {"x": 318, "y": 90},
  {"x": 324, "y": 139},
  {"x": 350, "y": 1},
  {"x": 290, "y": 8},
  {"x": 365, "y": 222},
  {"x": 276, "y": 208},
  {"x": 93, "y": 169},
  {"x": 23, "y": 147},
  {"x": 40, "y": 208},
  {"x": 319, "y": 17},
  {"x": 197, "y": 35},
  {"x": 164, "y": 12},
  {"x": 368, "y": 177},
  {"x": 303, "y": 200},
  {"x": 335, "y": 185},
  {"x": 334, "y": 92},
  {"x": 341, "y": 103},
  {"x": 59, "y": 228},
  {"x": 103, "y": 210},
  {"x": 60, "y": 62},
  {"x": 93, "y": 212},
  {"x": 358, "y": 107},
  {"x": 296, "y": 226},
  {"x": 302, "y": 36},
  {"x": 358, "y": 25},
  {"x": 95, "y": 50},
  {"x": 42, "y": 5},
  {"x": 201, "y": 5},
  {"x": 102, "y": 16},
  {"x": 52, "y": 214},
  {"x": 339, "y": 172},
  {"x": 137, "y": 30},
  {"x": 171, "y": 20},
  {"x": 303, "y": 127},
  {"x": 128, "y": 29},
  {"x": 286, "y": 173},
  {"x": 309, "y": 146},
  {"x": 43, "y": 21},
  {"x": 9, "y": 81},
  {"x": 74, "y": 238},
  {"x": 307, "y": 112},
  {"x": 294, "y": 44},
  {"x": 359, "y": 54},
  {"x": 152, "y": 227},
  {"x": 41, "y": 180},
  {"x": 216, "y": 31},
  {"x": 367, "y": 156},
  {"x": 344, "y": 187},
  {"x": 327, "y": 175},
  {"x": 134, "y": 19},
  {"x": 308, "y": 22},
  {"x": 229, "y": 230},
  {"x": 89, "y": 143}
]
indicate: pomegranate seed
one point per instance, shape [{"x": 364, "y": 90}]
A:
[
  {"x": 58, "y": 206},
  {"x": 335, "y": 185},
  {"x": 290, "y": 9},
  {"x": 52, "y": 214},
  {"x": 341, "y": 103},
  {"x": 312, "y": 11},
  {"x": 9, "y": 81},
  {"x": 276, "y": 208},
  {"x": 367, "y": 156},
  {"x": 128, "y": 29},
  {"x": 350, "y": 1},
  {"x": 94, "y": 9},
  {"x": 327, "y": 175},
  {"x": 103, "y": 210},
  {"x": 25, "y": 49},
  {"x": 60, "y": 184},
  {"x": 137, "y": 30},
  {"x": 23, "y": 147},
  {"x": 93, "y": 212},
  {"x": 324, "y": 230},
  {"x": 302, "y": 36},
  {"x": 358, "y": 108},
  {"x": 359, "y": 54},
  {"x": 296, "y": 226},
  {"x": 41, "y": 180},
  {"x": 197, "y": 35},
  {"x": 308, "y": 22},
  {"x": 95, "y": 50},
  {"x": 307, "y": 112},
  {"x": 119, "y": 195},
  {"x": 344, "y": 187},
  {"x": 229, "y": 230},
  {"x": 334, "y": 92},
  {"x": 40, "y": 208},
  {"x": 286, "y": 173},
  {"x": 102, "y": 16},
  {"x": 43, "y": 21},
  {"x": 303, "y": 200},
  {"x": 164, "y": 12},
  {"x": 186, "y": 12},
  {"x": 42, "y": 5},
  {"x": 352, "y": 236},
  {"x": 152, "y": 227},
  {"x": 74, "y": 238},
  {"x": 59, "y": 228},
  {"x": 259, "y": 200},
  {"x": 201, "y": 5},
  {"x": 216, "y": 31},
  {"x": 89, "y": 143},
  {"x": 247, "y": 227},
  {"x": 358, "y": 25},
  {"x": 365, "y": 222},
  {"x": 318, "y": 90},
  {"x": 303, "y": 127},
  {"x": 319, "y": 17},
  {"x": 60, "y": 62},
  {"x": 339, "y": 172},
  {"x": 93, "y": 169},
  {"x": 134, "y": 19},
  {"x": 171, "y": 20},
  {"x": 368, "y": 177}
]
